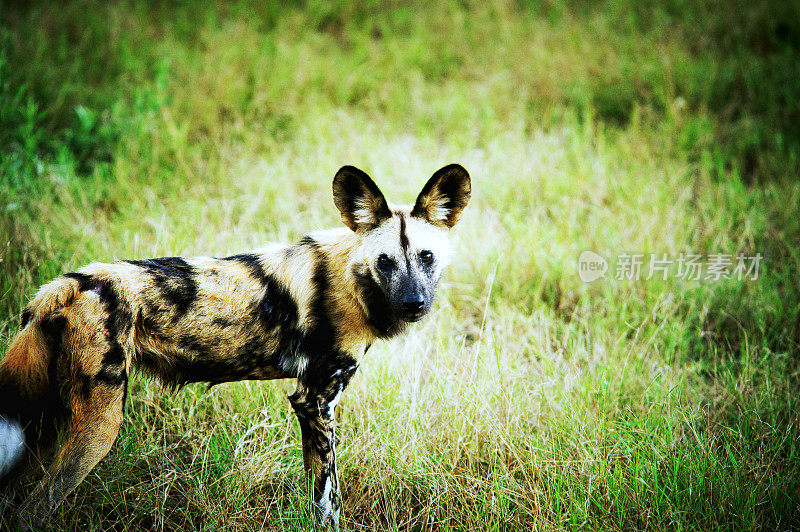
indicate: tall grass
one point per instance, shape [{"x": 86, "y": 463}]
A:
[{"x": 528, "y": 399}]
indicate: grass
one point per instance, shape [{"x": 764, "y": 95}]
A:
[{"x": 528, "y": 399}]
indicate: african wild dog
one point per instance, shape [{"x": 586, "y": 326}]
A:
[{"x": 307, "y": 311}]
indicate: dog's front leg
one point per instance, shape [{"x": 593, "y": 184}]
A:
[{"x": 314, "y": 402}]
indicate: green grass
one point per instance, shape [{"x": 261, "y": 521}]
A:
[{"x": 528, "y": 399}]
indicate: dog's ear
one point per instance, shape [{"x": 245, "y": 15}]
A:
[
  {"x": 444, "y": 196},
  {"x": 358, "y": 199}
]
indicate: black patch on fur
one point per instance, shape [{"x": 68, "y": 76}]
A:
[
  {"x": 222, "y": 323},
  {"x": 253, "y": 351},
  {"x": 53, "y": 326},
  {"x": 404, "y": 241},
  {"x": 112, "y": 369},
  {"x": 85, "y": 385},
  {"x": 85, "y": 282},
  {"x": 25, "y": 319},
  {"x": 177, "y": 371},
  {"x": 252, "y": 262},
  {"x": 149, "y": 325},
  {"x": 54, "y": 403},
  {"x": 318, "y": 342},
  {"x": 259, "y": 351},
  {"x": 195, "y": 345},
  {"x": 120, "y": 316},
  {"x": 277, "y": 307},
  {"x": 380, "y": 314},
  {"x": 403, "y": 236},
  {"x": 119, "y": 320},
  {"x": 320, "y": 336},
  {"x": 308, "y": 240},
  {"x": 174, "y": 278},
  {"x": 111, "y": 378},
  {"x": 114, "y": 355}
]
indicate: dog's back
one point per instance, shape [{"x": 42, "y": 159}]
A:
[{"x": 178, "y": 319}]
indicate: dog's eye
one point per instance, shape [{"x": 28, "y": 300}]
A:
[
  {"x": 385, "y": 262},
  {"x": 426, "y": 256}
]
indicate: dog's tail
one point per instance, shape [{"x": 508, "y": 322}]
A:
[
  {"x": 30, "y": 403},
  {"x": 12, "y": 444}
]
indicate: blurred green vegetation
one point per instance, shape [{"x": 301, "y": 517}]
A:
[{"x": 134, "y": 129}]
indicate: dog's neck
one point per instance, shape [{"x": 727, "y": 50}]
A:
[{"x": 360, "y": 311}]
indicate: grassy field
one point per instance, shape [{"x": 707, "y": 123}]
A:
[{"x": 528, "y": 399}]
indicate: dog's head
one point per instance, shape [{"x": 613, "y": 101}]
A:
[{"x": 402, "y": 250}]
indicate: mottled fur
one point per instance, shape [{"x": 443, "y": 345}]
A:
[{"x": 306, "y": 311}]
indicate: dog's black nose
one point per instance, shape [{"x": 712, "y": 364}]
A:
[{"x": 413, "y": 303}]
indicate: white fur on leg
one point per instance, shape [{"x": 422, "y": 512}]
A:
[{"x": 327, "y": 516}]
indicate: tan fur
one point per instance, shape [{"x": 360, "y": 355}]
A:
[
  {"x": 26, "y": 362},
  {"x": 54, "y": 295}
]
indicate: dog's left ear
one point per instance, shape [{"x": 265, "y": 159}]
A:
[
  {"x": 444, "y": 196},
  {"x": 359, "y": 199}
]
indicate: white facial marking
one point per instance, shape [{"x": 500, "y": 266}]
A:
[{"x": 421, "y": 234}]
